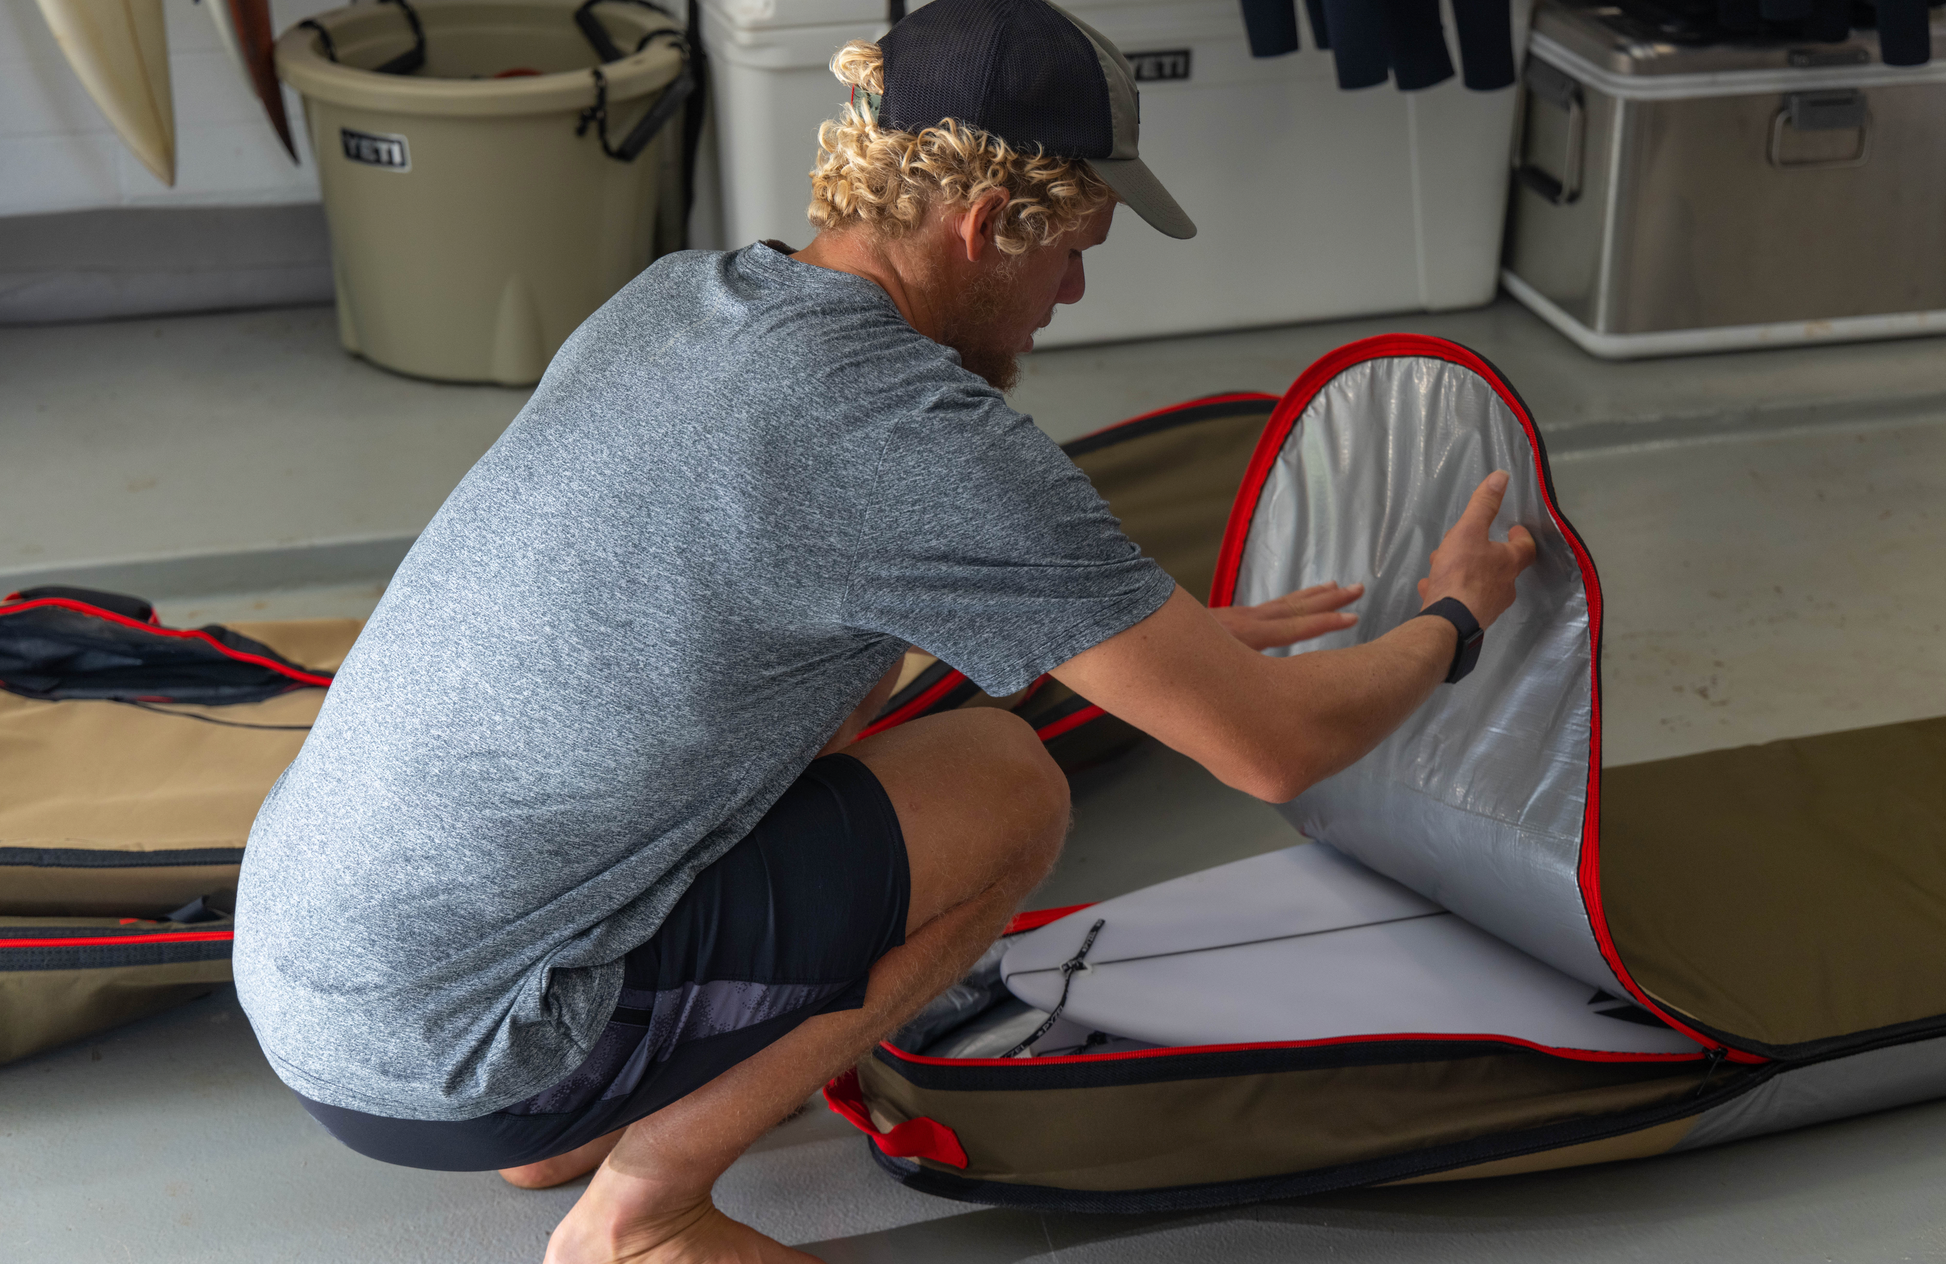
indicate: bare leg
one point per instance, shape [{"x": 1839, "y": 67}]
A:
[
  {"x": 562, "y": 1168},
  {"x": 984, "y": 811}
]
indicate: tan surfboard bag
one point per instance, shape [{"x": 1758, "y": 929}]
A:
[{"x": 124, "y": 808}]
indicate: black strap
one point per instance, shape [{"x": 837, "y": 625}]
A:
[
  {"x": 1454, "y": 611},
  {"x": 413, "y": 58},
  {"x": 597, "y": 35},
  {"x": 209, "y": 719},
  {"x": 405, "y": 63},
  {"x": 673, "y": 97},
  {"x": 645, "y": 129},
  {"x": 324, "y": 37},
  {"x": 1069, "y": 968},
  {"x": 692, "y": 122},
  {"x": 1710, "y": 1064}
]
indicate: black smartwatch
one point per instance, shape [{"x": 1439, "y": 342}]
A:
[{"x": 1454, "y": 611}]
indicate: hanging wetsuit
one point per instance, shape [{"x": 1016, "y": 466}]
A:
[
  {"x": 1404, "y": 40},
  {"x": 1830, "y": 21},
  {"x": 1904, "y": 33},
  {"x": 1904, "y": 27},
  {"x": 1272, "y": 26}
]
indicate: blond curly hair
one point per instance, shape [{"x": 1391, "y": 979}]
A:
[{"x": 884, "y": 180}]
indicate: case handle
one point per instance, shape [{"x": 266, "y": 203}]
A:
[
  {"x": 1545, "y": 83},
  {"x": 1838, "y": 110}
]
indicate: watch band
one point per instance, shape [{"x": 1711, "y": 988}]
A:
[{"x": 1467, "y": 653}]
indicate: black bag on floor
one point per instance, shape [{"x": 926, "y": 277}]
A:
[{"x": 58, "y": 642}]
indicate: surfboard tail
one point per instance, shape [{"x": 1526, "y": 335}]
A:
[{"x": 120, "y": 52}]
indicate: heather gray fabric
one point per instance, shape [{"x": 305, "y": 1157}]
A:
[{"x": 743, "y": 486}]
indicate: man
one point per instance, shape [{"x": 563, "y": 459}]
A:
[{"x": 581, "y": 866}]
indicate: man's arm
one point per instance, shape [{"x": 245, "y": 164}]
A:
[{"x": 1272, "y": 727}]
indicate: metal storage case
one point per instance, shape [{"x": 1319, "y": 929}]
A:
[{"x": 1678, "y": 198}]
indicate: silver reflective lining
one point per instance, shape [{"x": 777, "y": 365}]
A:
[{"x": 1476, "y": 801}]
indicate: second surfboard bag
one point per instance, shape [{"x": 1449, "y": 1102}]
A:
[
  {"x": 133, "y": 756},
  {"x": 1497, "y": 957},
  {"x": 126, "y": 797}
]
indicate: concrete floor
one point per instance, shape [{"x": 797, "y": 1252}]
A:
[{"x": 1770, "y": 534}]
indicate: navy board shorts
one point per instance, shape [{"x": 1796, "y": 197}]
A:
[{"x": 786, "y": 925}]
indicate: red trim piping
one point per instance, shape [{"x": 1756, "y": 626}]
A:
[
  {"x": 1278, "y": 428},
  {"x": 190, "y": 634},
  {"x": 916, "y": 1138},
  {"x": 1066, "y": 722},
  {"x": 108, "y": 941},
  {"x": 917, "y": 707},
  {"x": 1244, "y": 511},
  {"x": 1230, "y": 397},
  {"x": 1034, "y": 919},
  {"x": 1577, "y": 1055}
]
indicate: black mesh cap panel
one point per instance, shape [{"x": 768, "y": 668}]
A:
[{"x": 1016, "y": 68}]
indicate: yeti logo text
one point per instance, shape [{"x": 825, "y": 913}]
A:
[
  {"x": 376, "y": 150},
  {"x": 1150, "y": 67}
]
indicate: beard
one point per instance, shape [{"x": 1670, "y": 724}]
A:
[{"x": 981, "y": 326}]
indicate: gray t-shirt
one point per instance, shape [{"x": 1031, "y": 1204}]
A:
[{"x": 743, "y": 486}]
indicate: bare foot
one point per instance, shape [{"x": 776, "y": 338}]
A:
[
  {"x": 563, "y": 1168},
  {"x": 696, "y": 1235}
]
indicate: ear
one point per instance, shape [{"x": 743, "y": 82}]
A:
[{"x": 977, "y": 226}]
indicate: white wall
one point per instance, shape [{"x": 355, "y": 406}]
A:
[{"x": 57, "y": 153}]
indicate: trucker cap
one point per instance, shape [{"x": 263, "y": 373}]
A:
[{"x": 1033, "y": 75}]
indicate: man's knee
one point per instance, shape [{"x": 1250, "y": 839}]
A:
[
  {"x": 979, "y": 783},
  {"x": 1032, "y": 785}
]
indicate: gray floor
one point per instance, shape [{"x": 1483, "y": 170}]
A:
[{"x": 1770, "y": 535}]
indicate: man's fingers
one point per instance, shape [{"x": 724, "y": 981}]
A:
[
  {"x": 1522, "y": 543},
  {"x": 1308, "y": 600},
  {"x": 1485, "y": 503},
  {"x": 1324, "y": 597}
]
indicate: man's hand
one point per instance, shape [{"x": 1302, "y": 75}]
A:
[
  {"x": 1478, "y": 571},
  {"x": 1294, "y": 617},
  {"x": 1273, "y": 726}
]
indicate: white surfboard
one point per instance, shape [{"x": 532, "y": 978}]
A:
[
  {"x": 1307, "y": 944},
  {"x": 120, "y": 53}
]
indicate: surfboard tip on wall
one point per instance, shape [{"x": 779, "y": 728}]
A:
[{"x": 120, "y": 52}]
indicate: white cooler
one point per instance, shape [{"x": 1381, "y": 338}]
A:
[{"x": 1310, "y": 203}]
